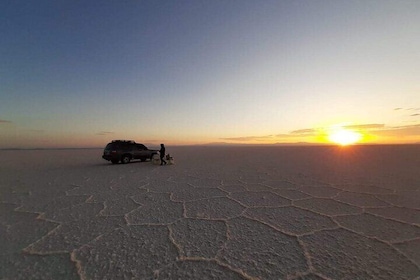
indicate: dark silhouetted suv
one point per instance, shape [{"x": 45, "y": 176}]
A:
[{"x": 127, "y": 150}]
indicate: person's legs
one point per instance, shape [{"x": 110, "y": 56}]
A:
[{"x": 162, "y": 161}]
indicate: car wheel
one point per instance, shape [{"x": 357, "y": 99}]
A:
[
  {"x": 143, "y": 159},
  {"x": 125, "y": 159},
  {"x": 114, "y": 161}
]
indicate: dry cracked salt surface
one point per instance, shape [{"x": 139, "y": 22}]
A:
[{"x": 218, "y": 213}]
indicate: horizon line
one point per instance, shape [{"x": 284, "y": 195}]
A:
[{"x": 222, "y": 144}]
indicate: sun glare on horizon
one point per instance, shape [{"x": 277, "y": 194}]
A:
[{"x": 345, "y": 137}]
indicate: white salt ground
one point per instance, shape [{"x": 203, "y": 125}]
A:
[{"x": 218, "y": 213}]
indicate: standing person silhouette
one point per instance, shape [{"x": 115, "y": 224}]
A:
[{"x": 162, "y": 154}]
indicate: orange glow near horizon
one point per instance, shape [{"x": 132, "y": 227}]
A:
[{"x": 345, "y": 137}]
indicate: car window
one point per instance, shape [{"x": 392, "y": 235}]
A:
[
  {"x": 111, "y": 146},
  {"x": 141, "y": 147}
]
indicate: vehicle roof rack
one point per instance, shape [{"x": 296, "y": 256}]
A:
[{"x": 125, "y": 141}]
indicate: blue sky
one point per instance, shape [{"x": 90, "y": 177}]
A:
[{"x": 80, "y": 73}]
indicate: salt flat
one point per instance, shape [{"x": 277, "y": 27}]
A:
[{"x": 218, "y": 213}]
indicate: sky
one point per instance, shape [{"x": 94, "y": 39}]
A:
[{"x": 82, "y": 73}]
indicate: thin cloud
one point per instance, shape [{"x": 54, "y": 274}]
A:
[
  {"x": 285, "y": 135},
  {"x": 306, "y": 134},
  {"x": 398, "y": 131},
  {"x": 407, "y": 109},
  {"x": 387, "y": 129},
  {"x": 248, "y": 138},
  {"x": 297, "y": 134},
  {"x": 307, "y": 131},
  {"x": 405, "y": 126},
  {"x": 105, "y": 133},
  {"x": 5, "y": 121},
  {"x": 365, "y": 126},
  {"x": 414, "y": 115}
]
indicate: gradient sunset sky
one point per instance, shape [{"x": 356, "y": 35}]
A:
[{"x": 81, "y": 73}]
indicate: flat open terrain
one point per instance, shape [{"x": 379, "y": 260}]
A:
[{"x": 218, "y": 213}]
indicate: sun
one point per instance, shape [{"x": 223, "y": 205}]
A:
[{"x": 344, "y": 137}]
